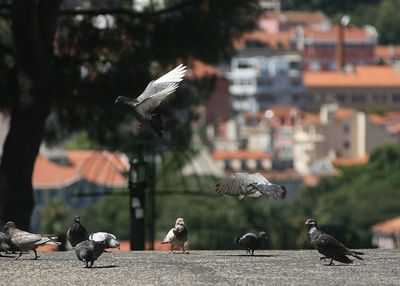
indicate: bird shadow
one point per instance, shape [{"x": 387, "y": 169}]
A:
[
  {"x": 7, "y": 256},
  {"x": 100, "y": 267}
]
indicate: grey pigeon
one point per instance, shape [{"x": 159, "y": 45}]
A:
[
  {"x": 89, "y": 250},
  {"x": 26, "y": 241},
  {"x": 146, "y": 106},
  {"x": 251, "y": 241},
  {"x": 328, "y": 246},
  {"x": 177, "y": 236},
  {"x": 109, "y": 239},
  {"x": 76, "y": 232},
  {"x": 5, "y": 243},
  {"x": 250, "y": 185}
]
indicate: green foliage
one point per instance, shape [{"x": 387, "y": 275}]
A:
[{"x": 55, "y": 218}]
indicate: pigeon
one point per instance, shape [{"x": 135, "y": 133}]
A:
[
  {"x": 26, "y": 241},
  {"x": 76, "y": 232},
  {"x": 177, "y": 235},
  {"x": 250, "y": 185},
  {"x": 251, "y": 241},
  {"x": 146, "y": 106},
  {"x": 89, "y": 250},
  {"x": 109, "y": 239},
  {"x": 328, "y": 245},
  {"x": 5, "y": 243}
]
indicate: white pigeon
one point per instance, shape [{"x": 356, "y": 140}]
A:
[
  {"x": 146, "y": 106},
  {"x": 26, "y": 241},
  {"x": 250, "y": 185},
  {"x": 109, "y": 239},
  {"x": 177, "y": 236}
]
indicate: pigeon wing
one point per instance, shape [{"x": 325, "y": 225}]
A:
[
  {"x": 241, "y": 185},
  {"x": 22, "y": 238},
  {"x": 164, "y": 85},
  {"x": 101, "y": 236},
  {"x": 170, "y": 236},
  {"x": 330, "y": 247}
]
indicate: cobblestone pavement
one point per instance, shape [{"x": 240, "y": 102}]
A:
[{"x": 272, "y": 267}]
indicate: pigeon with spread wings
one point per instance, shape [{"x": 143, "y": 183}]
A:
[
  {"x": 250, "y": 185},
  {"x": 157, "y": 92}
]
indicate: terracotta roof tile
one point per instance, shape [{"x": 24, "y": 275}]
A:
[
  {"x": 363, "y": 76},
  {"x": 344, "y": 112},
  {"x": 387, "y": 227},
  {"x": 351, "y": 33},
  {"x": 99, "y": 167},
  {"x": 387, "y": 51},
  {"x": 273, "y": 40},
  {"x": 239, "y": 154},
  {"x": 297, "y": 17},
  {"x": 350, "y": 161},
  {"x": 198, "y": 69},
  {"x": 310, "y": 118},
  {"x": 377, "y": 119}
]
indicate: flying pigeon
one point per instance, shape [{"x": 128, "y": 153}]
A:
[
  {"x": 5, "y": 243},
  {"x": 177, "y": 236},
  {"x": 26, "y": 241},
  {"x": 109, "y": 239},
  {"x": 146, "y": 106},
  {"x": 328, "y": 245},
  {"x": 251, "y": 241},
  {"x": 250, "y": 185},
  {"x": 76, "y": 232},
  {"x": 89, "y": 250}
]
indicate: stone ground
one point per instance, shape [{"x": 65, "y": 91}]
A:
[{"x": 267, "y": 267}]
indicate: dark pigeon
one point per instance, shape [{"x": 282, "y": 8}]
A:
[
  {"x": 76, "y": 232},
  {"x": 5, "y": 243},
  {"x": 328, "y": 246},
  {"x": 26, "y": 241},
  {"x": 89, "y": 250},
  {"x": 146, "y": 106},
  {"x": 250, "y": 185},
  {"x": 251, "y": 241},
  {"x": 177, "y": 236}
]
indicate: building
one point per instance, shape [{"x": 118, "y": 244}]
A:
[
  {"x": 319, "y": 46},
  {"x": 242, "y": 160},
  {"x": 78, "y": 178},
  {"x": 386, "y": 234},
  {"x": 368, "y": 88}
]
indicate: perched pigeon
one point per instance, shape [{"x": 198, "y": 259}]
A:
[
  {"x": 5, "y": 243},
  {"x": 76, "y": 232},
  {"x": 177, "y": 235},
  {"x": 89, "y": 250},
  {"x": 328, "y": 245},
  {"x": 250, "y": 185},
  {"x": 251, "y": 241},
  {"x": 109, "y": 239},
  {"x": 157, "y": 92},
  {"x": 26, "y": 241}
]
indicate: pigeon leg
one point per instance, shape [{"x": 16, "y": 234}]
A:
[
  {"x": 172, "y": 250},
  {"x": 19, "y": 255},
  {"x": 91, "y": 263},
  {"x": 252, "y": 253},
  {"x": 331, "y": 263},
  {"x": 322, "y": 258},
  {"x": 35, "y": 254},
  {"x": 183, "y": 250}
]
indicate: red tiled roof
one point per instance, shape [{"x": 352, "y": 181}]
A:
[
  {"x": 310, "y": 118},
  {"x": 387, "y": 51},
  {"x": 99, "y": 167},
  {"x": 387, "y": 227},
  {"x": 377, "y": 119},
  {"x": 199, "y": 69},
  {"x": 239, "y": 154},
  {"x": 273, "y": 40},
  {"x": 297, "y": 17},
  {"x": 350, "y": 161},
  {"x": 363, "y": 76},
  {"x": 344, "y": 112},
  {"x": 278, "y": 111}
]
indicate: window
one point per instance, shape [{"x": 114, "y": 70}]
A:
[
  {"x": 346, "y": 129},
  {"x": 243, "y": 164},
  {"x": 259, "y": 165},
  {"x": 346, "y": 144},
  {"x": 228, "y": 165}
]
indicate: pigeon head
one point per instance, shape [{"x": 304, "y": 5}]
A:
[
  {"x": 114, "y": 243},
  {"x": 9, "y": 227},
  {"x": 77, "y": 219},
  {"x": 311, "y": 221},
  {"x": 126, "y": 100},
  {"x": 179, "y": 221},
  {"x": 263, "y": 234}
]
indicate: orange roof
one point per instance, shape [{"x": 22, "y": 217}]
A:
[
  {"x": 298, "y": 17},
  {"x": 222, "y": 130},
  {"x": 387, "y": 227},
  {"x": 392, "y": 115},
  {"x": 377, "y": 119},
  {"x": 350, "y": 161},
  {"x": 310, "y": 118},
  {"x": 99, "y": 167},
  {"x": 199, "y": 69},
  {"x": 239, "y": 154},
  {"x": 363, "y": 76},
  {"x": 387, "y": 51},
  {"x": 311, "y": 179},
  {"x": 351, "y": 33},
  {"x": 273, "y": 40},
  {"x": 344, "y": 112},
  {"x": 278, "y": 111}
]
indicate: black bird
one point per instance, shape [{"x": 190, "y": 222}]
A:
[
  {"x": 146, "y": 106},
  {"x": 89, "y": 250},
  {"x": 76, "y": 232},
  {"x": 328, "y": 246},
  {"x": 5, "y": 243},
  {"x": 251, "y": 241},
  {"x": 250, "y": 185}
]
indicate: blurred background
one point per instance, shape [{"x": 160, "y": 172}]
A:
[{"x": 307, "y": 94}]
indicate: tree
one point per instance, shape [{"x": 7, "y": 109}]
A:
[{"x": 92, "y": 66}]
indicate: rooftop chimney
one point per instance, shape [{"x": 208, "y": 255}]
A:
[{"x": 343, "y": 22}]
